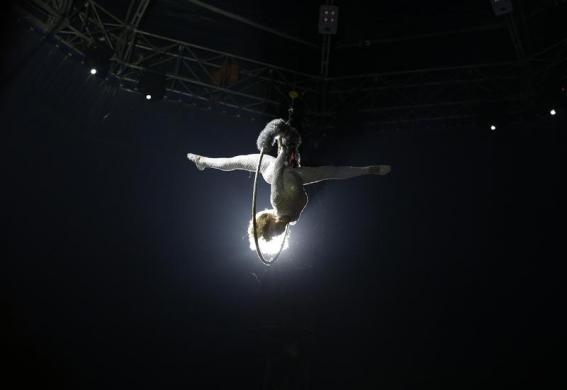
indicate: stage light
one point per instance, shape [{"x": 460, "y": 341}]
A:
[
  {"x": 152, "y": 84},
  {"x": 552, "y": 112},
  {"x": 492, "y": 127},
  {"x": 97, "y": 58},
  {"x": 328, "y": 25},
  {"x": 502, "y": 7}
]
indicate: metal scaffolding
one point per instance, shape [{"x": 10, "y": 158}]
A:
[{"x": 208, "y": 78}]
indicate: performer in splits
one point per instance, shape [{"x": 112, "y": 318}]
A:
[{"x": 285, "y": 175}]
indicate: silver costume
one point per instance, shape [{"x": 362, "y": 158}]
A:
[
  {"x": 284, "y": 173},
  {"x": 288, "y": 197}
]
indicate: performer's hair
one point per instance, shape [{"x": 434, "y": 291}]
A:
[
  {"x": 267, "y": 226},
  {"x": 266, "y": 136}
]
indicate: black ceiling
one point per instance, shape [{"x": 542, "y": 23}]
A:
[{"x": 373, "y": 36}]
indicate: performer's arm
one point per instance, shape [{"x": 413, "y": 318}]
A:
[
  {"x": 311, "y": 175},
  {"x": 275, "y": 174}
]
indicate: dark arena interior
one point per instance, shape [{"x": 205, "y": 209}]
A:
[{"x": 126, "y": 267}]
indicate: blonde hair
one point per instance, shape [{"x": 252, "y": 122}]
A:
[{"x": 268, "y": 226}]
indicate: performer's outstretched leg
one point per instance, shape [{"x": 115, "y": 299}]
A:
[
  {"x": 312, "y": 175},
  {"x": 247, "y": 162}
]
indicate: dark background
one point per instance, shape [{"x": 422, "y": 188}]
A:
[{"x": 126, "y": 267}]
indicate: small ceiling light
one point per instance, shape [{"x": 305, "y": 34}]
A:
[
  {"x": 492, "y": 127},
  {"x": 552, "y": 112},
  {"x": 93, "y": 70},
  {"x": 152, "y": 85}
]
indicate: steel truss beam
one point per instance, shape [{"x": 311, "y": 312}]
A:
[
  {"x": 125, "y": 45},
  {"x": 205, "y": 76},
  {"x": 214, "y": 79},
  {"x": 425, "y": 95}
]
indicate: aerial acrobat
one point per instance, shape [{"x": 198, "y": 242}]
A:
[{"x": 286, "y": 177}]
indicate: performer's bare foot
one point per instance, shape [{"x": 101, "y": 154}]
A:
[
  {"x": 379, "y": 169},
  {"x": 197, "y": 160}
]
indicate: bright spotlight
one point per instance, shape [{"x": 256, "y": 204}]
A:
[
  {"x": 148, "y": 97},
  {"x": 93, "y": 70},
  {"x": 552, "y": 112},
  {"x": 273, "y": 246},
  {"x": 492, "y": 127}
]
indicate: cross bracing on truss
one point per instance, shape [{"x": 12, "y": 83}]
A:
[{"x": 217, "y": 79}]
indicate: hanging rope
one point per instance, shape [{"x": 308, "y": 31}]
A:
[{"x": 293, "y": 95}]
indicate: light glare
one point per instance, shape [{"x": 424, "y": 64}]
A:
[
  {"x": 492, "y": 127},
  {"x": 93, "y": 70},
  {"x": 271, "y": 247},
  {"x": 148, "y": 97},
  {"x": 552, "y": 112}
]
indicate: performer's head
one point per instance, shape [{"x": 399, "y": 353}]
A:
[
  {"x": 289, "y": 141},
  {"x": 268, "y": 225},
  {"x": 287, "y": 137}
]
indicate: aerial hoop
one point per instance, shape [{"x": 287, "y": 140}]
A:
[
  {"x": 258, "y": 251},
  {"x": 293, "y": 95}
]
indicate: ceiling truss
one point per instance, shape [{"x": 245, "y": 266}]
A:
[{"x": 207, "y": 78}]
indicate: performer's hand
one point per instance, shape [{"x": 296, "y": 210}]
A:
[
  {"x": 379, "y": 169},
  {"x": 266, "y": 138},
  {"x": 197, "y": 160},
  {"x": 266, "y": 144}
]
